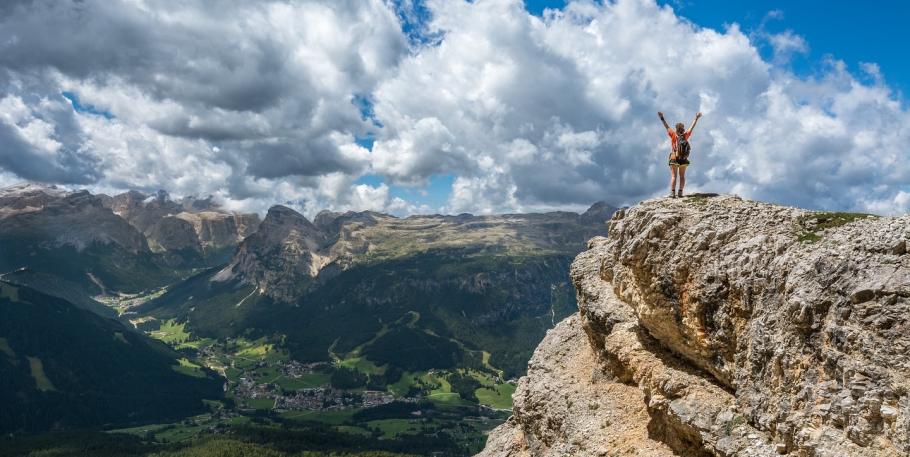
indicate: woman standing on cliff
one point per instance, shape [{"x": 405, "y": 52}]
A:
[{"x": 679, "y": 152}]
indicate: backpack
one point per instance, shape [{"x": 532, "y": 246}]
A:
[{"x": 682, "y": 146}]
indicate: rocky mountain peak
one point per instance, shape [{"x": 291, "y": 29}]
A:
[
  {"x": 281, "y": 257},
  {"x": 188, "y": 225},
  {"x": 53, "y": 217},
  {"x": 711, "y": 325},
  {"x": 332, "y": 222},
  {"x": 29, "y": 195},
  {"x": 193, "y": 204},
  {"x": 282, "y": 223},
  {"x": 598, "y": 213},
  {"x": 281, "y": 215}
]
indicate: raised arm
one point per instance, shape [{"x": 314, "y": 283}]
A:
[
  {"x": 661, "y": 115},
  {"x": 697, "y": 117}
]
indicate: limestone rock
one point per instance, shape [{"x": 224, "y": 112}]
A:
[
  {"x": 173, "y": 234},
  {"x": 46, "y": 216},
  {"x": 747, "y": 329},
  {"x": 165, "y": 222},
  {"x": 220, "y": 229},
  {"x": 282, "y": 257},
  {"x": 566, "y": 405}
]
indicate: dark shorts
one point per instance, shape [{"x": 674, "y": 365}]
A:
[{"x": 679, "y": 163}]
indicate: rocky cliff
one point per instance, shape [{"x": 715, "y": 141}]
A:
[
  {"x": 282, "y": 257},
  {"x": 49, "y": 217},
  {"x": 288, "y": 251},
  {"x": 71, "y": 245},
  {"x": 187, "y": 225},
  {"x": 717, "y": 326}
]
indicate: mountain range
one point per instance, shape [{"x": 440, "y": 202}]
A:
[{"x": 445, "y": 308}]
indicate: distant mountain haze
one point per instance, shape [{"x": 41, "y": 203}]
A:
[{"x": 195, "y": 224}]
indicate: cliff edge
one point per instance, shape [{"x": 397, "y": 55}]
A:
[{"x": 714, "y": 326}]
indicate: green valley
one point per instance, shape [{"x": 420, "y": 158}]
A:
[{"x": 360, "y": 334}]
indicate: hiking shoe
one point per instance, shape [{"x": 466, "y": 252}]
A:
[
  {"x": 680, "y": 193},
  {"x": 672, "y": 194}
]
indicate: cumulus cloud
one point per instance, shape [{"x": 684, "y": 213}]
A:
[
  {"x": 40, "y": 142},
  {"x": 265, "y": 102},
  {"x": 787, "y": 43},
  {"x": 203, "y": 100},
  {"x": 561, "y": 110}
]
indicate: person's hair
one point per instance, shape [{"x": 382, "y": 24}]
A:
[{"x": 680, "y": 128}]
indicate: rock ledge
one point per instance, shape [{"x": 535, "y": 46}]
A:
[{"x": 713, "y": 326}]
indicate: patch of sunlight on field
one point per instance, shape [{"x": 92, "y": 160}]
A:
[
  {"x": 362, "y": 365},
  {"x": 196, "y": 344},
  {"x": 423, "y": 378},
  {"x": 404, "y": 383},
  {"x": 443, "y": 383},
  {"x": 41, "y": 381},
  {"x": 258, "y": 351},
  {"x": 171, "y": 332},
  {"x": 496, "y": 397},
  {"x": 447, "y": 398},
  {"x": 493, "y": 394},
  {"x": 189, "y": 368}
]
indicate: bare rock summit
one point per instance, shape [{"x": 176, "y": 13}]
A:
[
  {"x": 281, "y": 257},
  {"x": 49, "y": 217},
  {"x": 190, "y": 224}
]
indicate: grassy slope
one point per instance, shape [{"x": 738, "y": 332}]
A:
[
  {"x": 114, "y": 267},
  {"x": 67, "y": 367}
]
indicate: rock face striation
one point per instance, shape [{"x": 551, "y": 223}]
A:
[
  {"x": 282, "y": 257},
  {"x": 189, "y": 225},
  {"x": 713, "y": 326},
  {"x": 69, "y": 244},
  {"x": 49, "y": 217}
]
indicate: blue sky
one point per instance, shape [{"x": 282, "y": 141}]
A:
[
  {"x": 434, "y": 195},
  {"x": 854, "y": 32},
  {"x": 850, "y": 31}
]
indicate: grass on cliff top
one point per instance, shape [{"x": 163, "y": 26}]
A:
[
  {"x": 814, "y": 223},
  {"x": 699, "y": 198}
]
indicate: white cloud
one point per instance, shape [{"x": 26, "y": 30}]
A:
[
  {"x": 260, "y": 103},
  {"x": 35, "y": 131},
  {"x": 787, "y": 43},
  {"x": 562, "y": 110},
  {"x": 247, "y": 100},
  {"x": 427, "y": 147}
]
